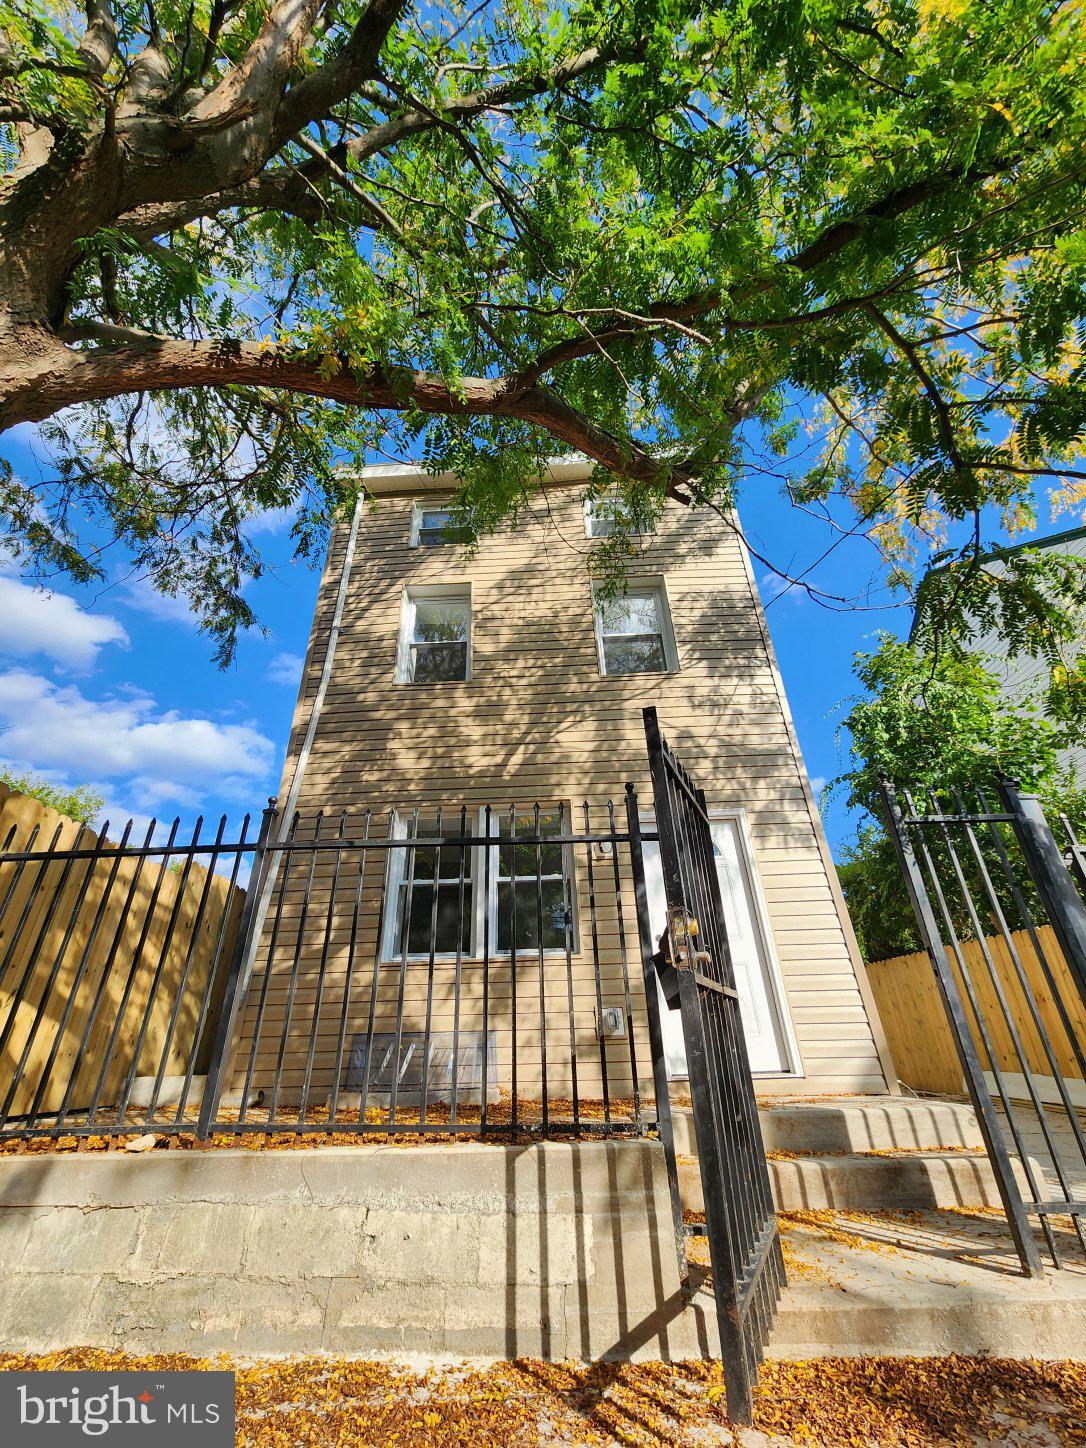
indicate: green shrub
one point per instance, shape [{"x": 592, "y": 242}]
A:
[
  {"x": 937, "y": 724},
  {"x": 81, "y": 803}
]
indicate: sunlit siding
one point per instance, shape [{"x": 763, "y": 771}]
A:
[{"x": 537, "y": 722}]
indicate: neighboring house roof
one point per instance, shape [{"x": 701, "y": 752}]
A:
[
  {"x": 1050, "y": 540},
  {"x": 1020, "y": 676}
]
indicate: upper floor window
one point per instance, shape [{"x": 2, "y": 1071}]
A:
[
  {"x": 603, "y": 516},
  {"x": 430, "y": 527},
  {"x": 634, "y": 633},
  {"x": 435, "y": 635}
]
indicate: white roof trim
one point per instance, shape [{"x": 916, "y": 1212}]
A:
[{"x": 400, "y": 477}]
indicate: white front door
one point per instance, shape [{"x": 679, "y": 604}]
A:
[{"x": 759, "y": 1006}]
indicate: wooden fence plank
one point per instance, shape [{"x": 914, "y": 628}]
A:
[
  {"x": 34, "y": 890},
  {"x": 920, "y": 1037}
]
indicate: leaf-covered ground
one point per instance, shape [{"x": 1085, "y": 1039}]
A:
[
  {"x": 845, "y": 1401},
  {"x": 504, "y": 1127}
]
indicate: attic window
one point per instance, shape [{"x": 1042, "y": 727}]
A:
[
  {"x": 604, "y": 516},
  {"x": 431, "y": 527}
]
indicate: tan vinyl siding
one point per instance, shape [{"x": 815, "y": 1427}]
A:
[{"x": 537, "y": 722}]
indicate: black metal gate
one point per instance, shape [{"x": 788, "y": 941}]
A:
[
  {"x": 985, "y": 876},
  {"x": 696, "y": 969}
]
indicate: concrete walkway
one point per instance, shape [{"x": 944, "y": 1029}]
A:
[
  {"x": 924, "y": 1282},
  {"x": 1063, "y": 1138}
]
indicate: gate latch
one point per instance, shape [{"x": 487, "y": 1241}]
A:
[{"x": 676, "y": 952}]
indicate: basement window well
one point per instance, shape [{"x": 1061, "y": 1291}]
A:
[{"x": 464, "y": 1064}]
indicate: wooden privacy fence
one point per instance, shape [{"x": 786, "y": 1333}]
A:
[
  {"x": 118, "y": 929},
  {"x": 916, "y": 1025}
]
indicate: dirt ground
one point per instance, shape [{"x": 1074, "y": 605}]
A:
[{"x": 844, "y": 1401}]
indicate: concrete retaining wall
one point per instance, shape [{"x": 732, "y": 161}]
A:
[{"x": 557, "y": 1250}]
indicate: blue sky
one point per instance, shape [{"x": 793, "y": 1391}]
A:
[{"x": 113, "y": 685}]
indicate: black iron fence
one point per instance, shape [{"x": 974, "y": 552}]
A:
[
  {"x": 110, "y": 972},
  {"x": 1005, "y": 930},
  {"x": 441, "y": 970}
]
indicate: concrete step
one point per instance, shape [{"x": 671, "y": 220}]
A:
[
  {"x": 853, "y": 1183},
  {"x": 853, "y": 1123},
  {"x": 935, "y": 1283}
]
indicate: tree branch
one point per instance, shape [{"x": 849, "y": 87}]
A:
[
  {"x": 130, "y": 361},
  {"x": 334, "y": 81},
  {"x": 285, "y": 188},
  {"x": 380, "y": 216},
  {"x": 259, "y": 76},
  {"x": 943, "y": 421},
  {"x": 832, "y": 241},
  {"x": 1000, "y": 467},
  {"x": 462, "y": 108},
  {"x": 99, "y": 44}
]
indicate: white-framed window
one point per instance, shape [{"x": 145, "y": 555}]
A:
[
  {"x": 531, "y": 891},
  {"x": 501, "y": 892},
  {"x": 602, "y": 517},
  {"x": 431, "y": 525},
  {"x": 633, "y": 631},
  {"x": 431, "y": 888},
  {"x": 435, "y": 634}
]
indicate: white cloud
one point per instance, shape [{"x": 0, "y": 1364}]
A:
[
  {"x": 150, "y": 793},
  {"x": 34, "y": 621},
  {"x": 117, "y": 814},
  {"x": 144, "y": 597},
  {"x": 818, "y": 784},
  {"x": 270, "y": 521},
  {"x": 57, "y": 727},
  {"x": 773, "y": 587},
  {"x": 120, "y": 808},
  {"x": 141, "y": 595},
  {"x": 285, "y": 669}
]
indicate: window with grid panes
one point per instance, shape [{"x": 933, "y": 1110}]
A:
[
  {"x": 537, "y": 876},
  {"x": 419, "y": 872}
]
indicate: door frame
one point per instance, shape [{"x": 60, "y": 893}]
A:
[{"x": 778, "y": 995}]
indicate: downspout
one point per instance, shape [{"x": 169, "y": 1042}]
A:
[
  {"x": 322, "y": 688},
  {"x": 291, "y": 804}
]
